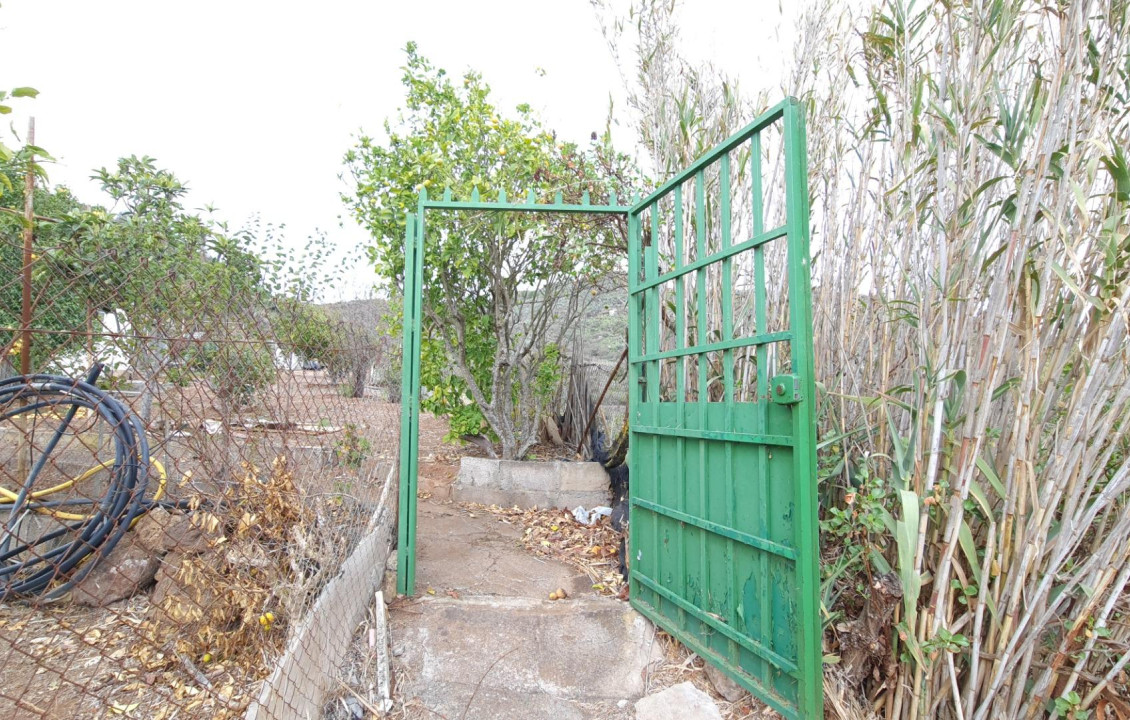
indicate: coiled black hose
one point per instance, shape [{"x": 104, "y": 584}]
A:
[{"x": 48, "y": 566}]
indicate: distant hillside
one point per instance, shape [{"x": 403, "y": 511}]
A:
[
  {"x": 603, "y": 325},
  {"x": 364, "y": 314},
  {"x": 603, "y": 329},
  {"x": 601, "y": 337}
]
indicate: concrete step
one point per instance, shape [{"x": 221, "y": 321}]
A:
[{"x": 512, "y": 657}]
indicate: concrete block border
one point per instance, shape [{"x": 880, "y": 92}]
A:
[{"x": 526, "y": 484}]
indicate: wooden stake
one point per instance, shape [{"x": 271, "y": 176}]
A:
[
  {"x": 384, "y": 669},
  {"x": 24, "y": 458},
  {"x": 29, "y": 218}
]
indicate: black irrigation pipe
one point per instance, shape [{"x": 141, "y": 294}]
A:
[{"x": 48, "y": 566}]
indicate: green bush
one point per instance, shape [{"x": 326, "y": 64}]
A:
[{"x": 237, "y": 370}]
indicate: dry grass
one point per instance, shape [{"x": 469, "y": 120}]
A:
[
  {"x": 277, "y": 530},
  {"x": 970, "y": 212}
]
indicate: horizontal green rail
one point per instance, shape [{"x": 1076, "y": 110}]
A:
[
  {"x": 766, "y": 119},
  {"x": 752, "y": 340},
  {"x": 783, "y": 663},
  {"x": 744, "y": 538},
  {"x": 729, "y": 252},
  {"x": 722, "y": 435},
  {"x": 526, "y": 207}
]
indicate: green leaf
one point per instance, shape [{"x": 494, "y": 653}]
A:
[
  {"x": 991, "y": 475},
  {"x": 1119, "y": 170},
  {"x": 906, "y": 538},
  {"x": 25, "y": 92},
  {"x": 965, "y": 537},
  {"x": 1074, "y": 286}
]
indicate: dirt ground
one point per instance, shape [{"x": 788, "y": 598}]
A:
[{"x": 439, "y": 467}]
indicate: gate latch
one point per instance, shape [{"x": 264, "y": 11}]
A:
[{"x": 785, "y": 390}]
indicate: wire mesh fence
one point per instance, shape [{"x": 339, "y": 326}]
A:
[{"x": 196, "y": 479}]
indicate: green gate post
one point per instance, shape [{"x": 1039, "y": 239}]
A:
[
  {"x": 804, "y": 416},
  {"x": 410, "y": 402}
]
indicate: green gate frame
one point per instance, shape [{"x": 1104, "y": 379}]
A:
[
  {"x": 414, "y": 251},
  {"x": 748, "y": 601}
]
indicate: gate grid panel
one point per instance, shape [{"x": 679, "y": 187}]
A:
[{"x": 724, "y": 528}]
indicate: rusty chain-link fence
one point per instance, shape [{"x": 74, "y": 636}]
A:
[{"x": 197, "y": 482}]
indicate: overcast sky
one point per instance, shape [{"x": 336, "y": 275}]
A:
[{"x": 253, "y": 103}]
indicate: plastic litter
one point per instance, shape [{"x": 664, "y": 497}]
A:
[{"x": 588, "y": 517}]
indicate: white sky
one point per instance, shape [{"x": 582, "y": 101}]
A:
[{"x": 254, "y": 103}]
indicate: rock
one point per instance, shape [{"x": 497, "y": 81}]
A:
[
  {"x": 167, "y": 585},
  {"x": 388, "y": 583},
  {"x": 171, "y": 601},
  {"x": 679, "y": 702},
  {"x": 129, "y": 568},
  {"x": 726, "y": 686},
  {"x": 355, "y": 710},
  {"x": 161, "y": 531}
]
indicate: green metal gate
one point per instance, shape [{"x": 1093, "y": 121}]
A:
[{"x": 723, "y": 533}]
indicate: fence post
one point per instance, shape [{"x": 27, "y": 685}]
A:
[{"x": 29, "y": 217}]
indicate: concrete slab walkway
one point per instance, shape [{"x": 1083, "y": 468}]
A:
[{"x": 490, "y": 644}]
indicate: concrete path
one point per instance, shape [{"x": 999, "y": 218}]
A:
[{"x": 490, "y": 644}]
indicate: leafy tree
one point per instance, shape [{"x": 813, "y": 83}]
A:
[
  {"x": 183, "y": 285},
  {"x": 7, "y": 154},
  {"x": 500, "y": 288},
  {"x": 14, "y": 164},
  {"x": 305, "y": 329},
  {"x": 65, "y": 310},
  {"x": 347, "y": 346}
]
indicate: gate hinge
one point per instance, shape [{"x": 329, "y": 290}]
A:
[{"x": 785, "y": 390}]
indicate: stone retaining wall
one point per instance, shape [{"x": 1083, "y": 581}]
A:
[{"x": 507, "y": 483}]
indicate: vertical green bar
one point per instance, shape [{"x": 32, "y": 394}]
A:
[
  {"x": 654, "y": 316},
  {"x": 680, "y": 396},
  {"x": 809, "y": 662},
  {"x": 700, "y": 250},
  {"x": 727, "y": 301},
  {"x": 654, "y": 389},
  {"x": 727, "y": 292},
  {"x": 417, "y": 333},
  {"x": 701, "y": 361},
  {"x": 633, "y": 385},
  {"x": 680, "y": 309},
  {"x": 761, "y": 315},
  {"x": 405, "y": 544}
]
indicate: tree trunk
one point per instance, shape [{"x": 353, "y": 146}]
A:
[
  {"x": 360, "y": 375},
  {"x": 865, "y": 643}
]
